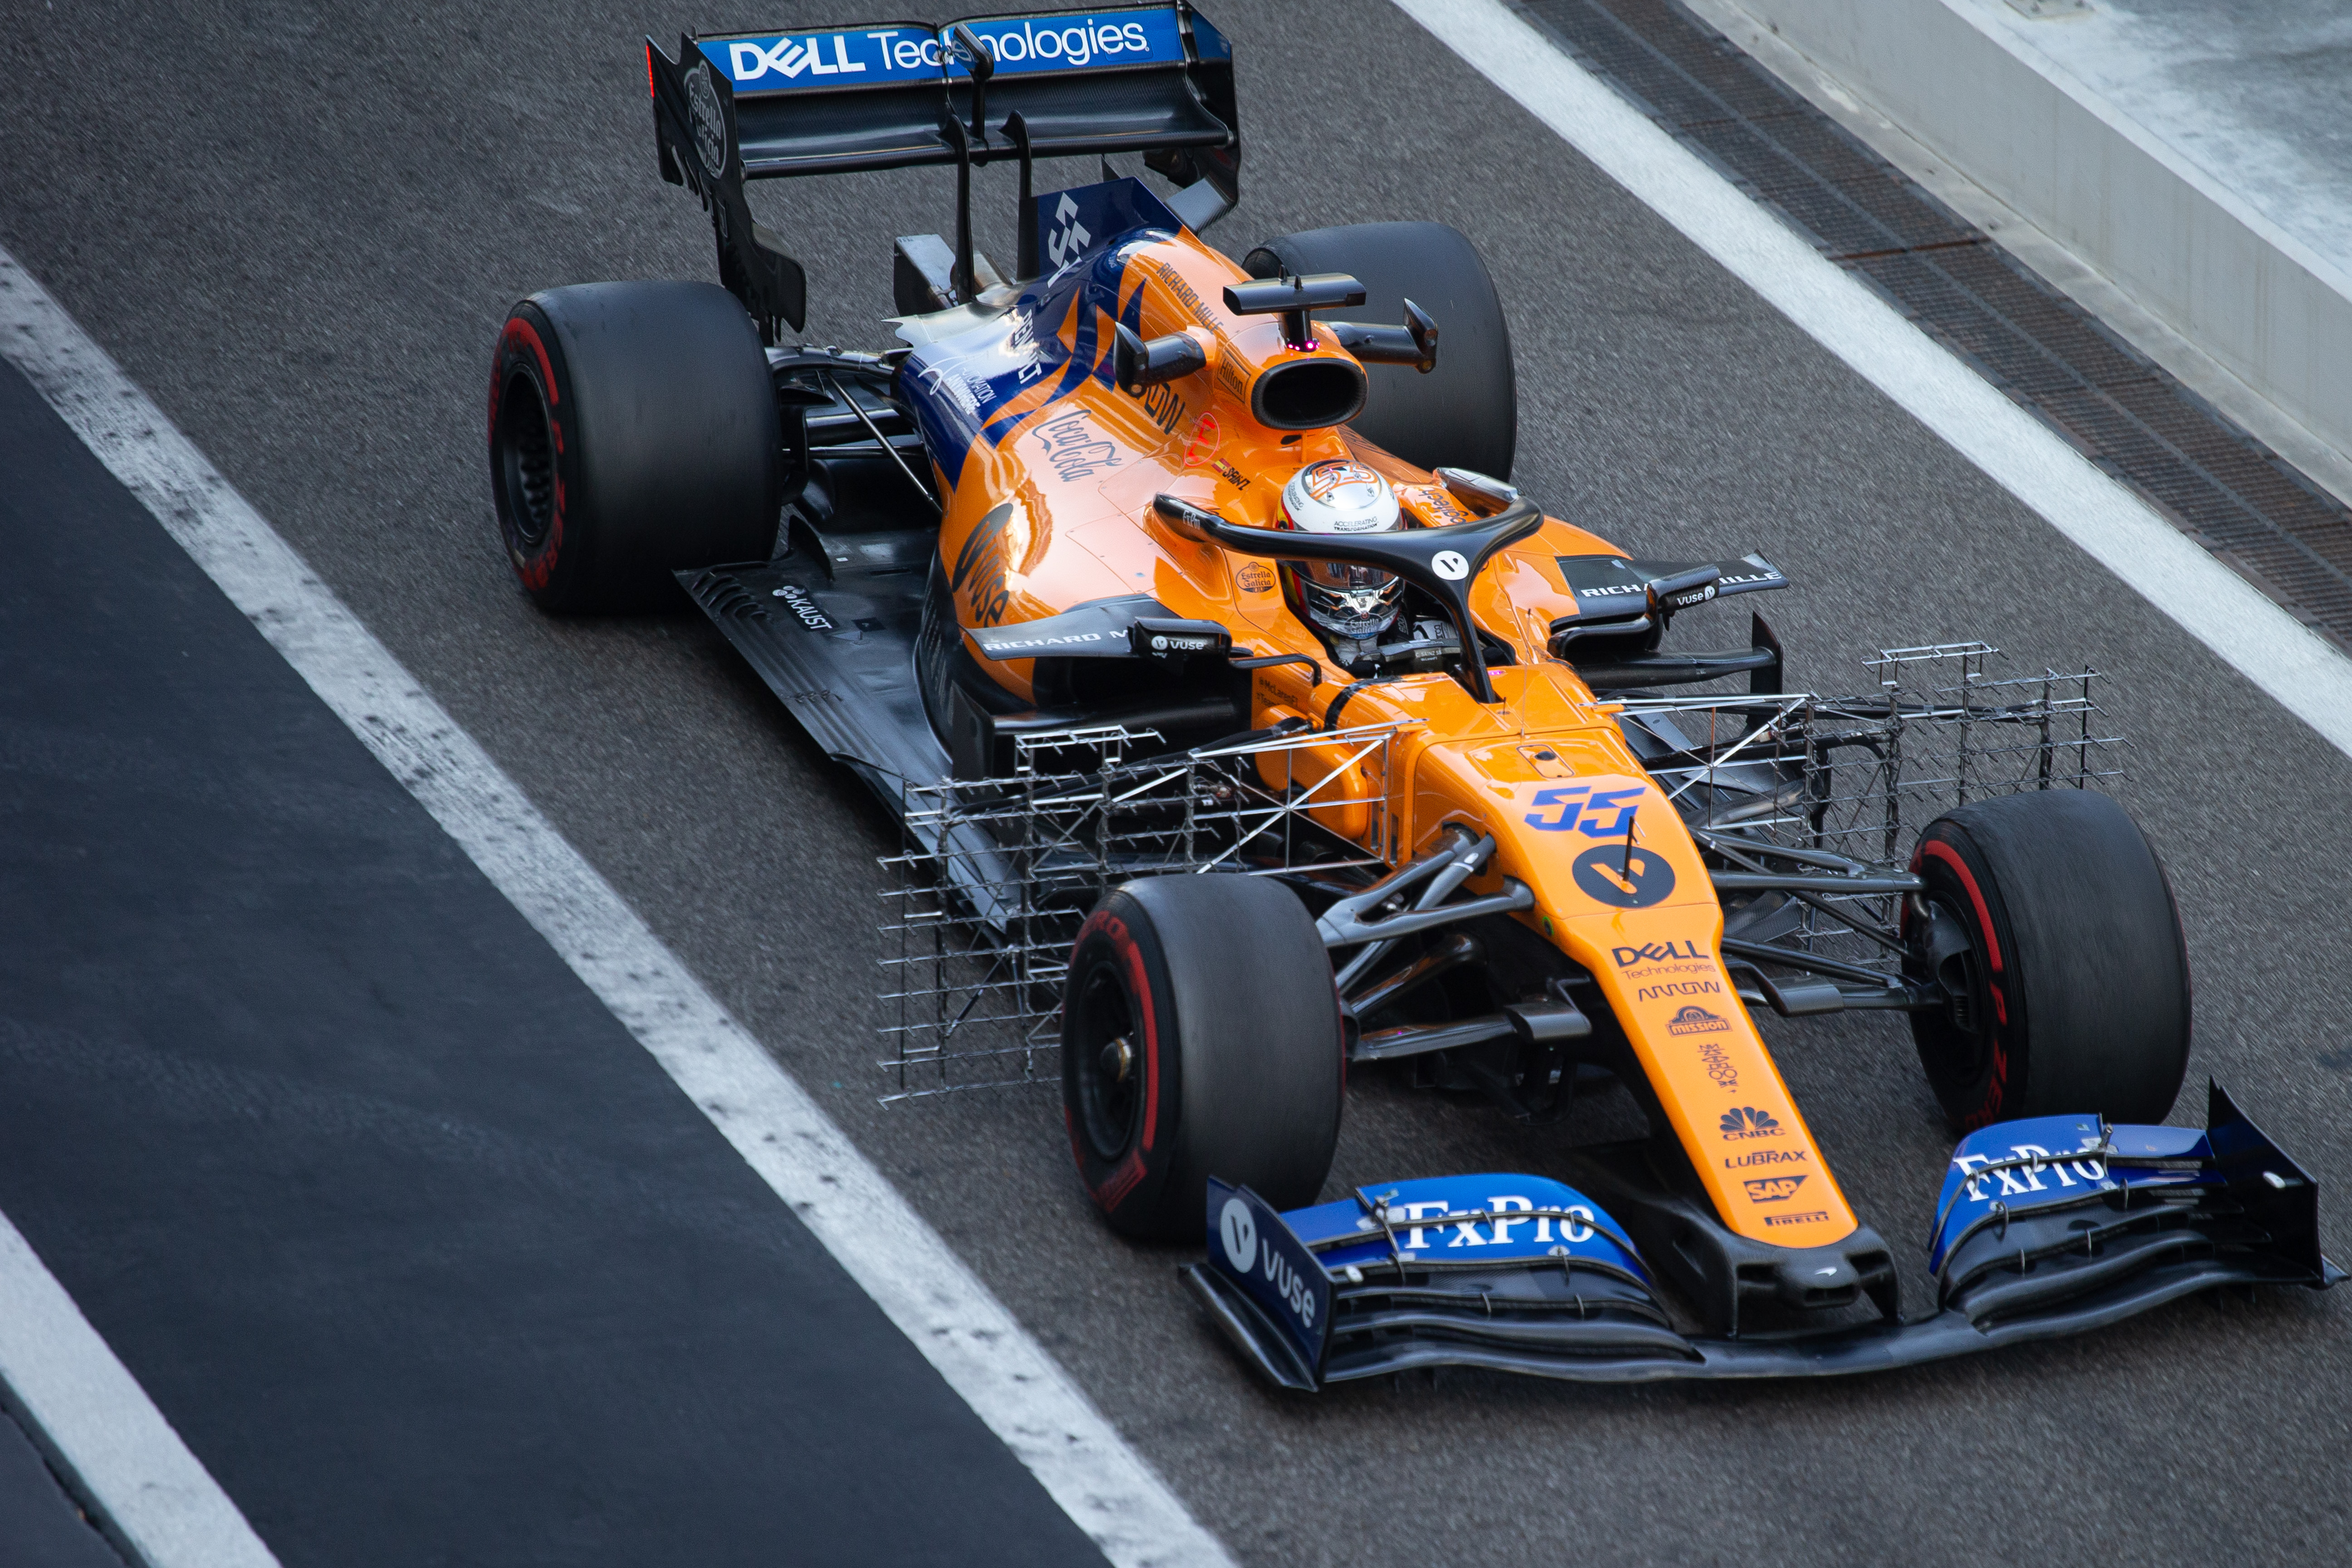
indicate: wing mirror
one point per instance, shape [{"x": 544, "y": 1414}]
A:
[
  {"x": 1414, "y": 343},
  {"x": 1682, "y": 590},
  {"x": 1137, "y": 362}
]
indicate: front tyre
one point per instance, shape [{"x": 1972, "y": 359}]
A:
[
  {"x": 633, "y": 434},
  {"x": 1201, "y": 1036},
  {"x": 2051, "y": 928}
]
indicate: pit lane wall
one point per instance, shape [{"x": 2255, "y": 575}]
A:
[{"x": 1965, "y": 80}]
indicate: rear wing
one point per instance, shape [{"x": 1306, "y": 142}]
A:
[{"x": 1152, "y": 80}]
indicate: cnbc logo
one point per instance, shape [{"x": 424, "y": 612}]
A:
[{"x": 1746, "y": 1121}]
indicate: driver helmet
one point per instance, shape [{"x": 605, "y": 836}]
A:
[{"x": 1340, "y": 495}]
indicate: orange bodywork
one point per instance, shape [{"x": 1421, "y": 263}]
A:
[{"x": 1544, "y": 769}]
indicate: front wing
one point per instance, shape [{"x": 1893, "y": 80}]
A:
[{"x": 2044, "y": 1228}]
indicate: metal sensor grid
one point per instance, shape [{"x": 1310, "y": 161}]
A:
[
  {"x": 996, "y": 876},
  {"x": 1859, "y": 777}
]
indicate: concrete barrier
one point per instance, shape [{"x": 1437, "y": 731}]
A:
[{"x": 1965, "y": 81}]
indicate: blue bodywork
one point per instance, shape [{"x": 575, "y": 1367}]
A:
[
  {"x": 2012, "y": 1168},
  {"x": 960, "y": 387},
  {"x": 884, "y": 54},
  {"x": 1430, "y": 1222},
  {"x": 2045, "y": 1227}
]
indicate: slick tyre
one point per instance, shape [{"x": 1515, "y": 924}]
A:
[
  {"x": 1200, "y": 1038},
  {"x": 2051, "y": 927},
  {"x": 633, "y": 434},
  {"x": 1465, "y": 413}
]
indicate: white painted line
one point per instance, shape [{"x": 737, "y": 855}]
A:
[
  {"x": 2216, "y": 606},
  {"x": 90, "y": 1414},
  {"x": 982, "y": 1351}
]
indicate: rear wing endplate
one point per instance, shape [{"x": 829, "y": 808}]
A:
[{"x": 1156, "y": 80}]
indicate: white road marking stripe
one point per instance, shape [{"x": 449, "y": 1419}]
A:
[
  {"x": 160, "y": 1504},
  {"x": 2215, "y": 605},
  {"x": 983, "y": 1352}
]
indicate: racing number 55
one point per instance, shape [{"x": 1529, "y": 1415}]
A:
[{"x": 1570, "y": 803}]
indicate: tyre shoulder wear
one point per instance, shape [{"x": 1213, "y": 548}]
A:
[
  {"x": 2075, "y": 972},
  {"x": 1201, "y": 1036},
  {"x": 633, "y": 434}
]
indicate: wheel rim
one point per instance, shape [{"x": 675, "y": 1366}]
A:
[
  {"x": 526, "y": 459},
  {"x": 1108, "y": 1062}
]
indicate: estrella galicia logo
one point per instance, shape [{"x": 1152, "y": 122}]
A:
[
  {"x": 1746, "y": 1121},
  {"x": 709, "y": 122},
  {"x": 1772, "y": 1189},
  {"x": 1696, "y": 1020},
  {"x": 1624, "y": 878}
]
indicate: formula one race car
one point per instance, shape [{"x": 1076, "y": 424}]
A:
[{"x": 1250, "y": 728}]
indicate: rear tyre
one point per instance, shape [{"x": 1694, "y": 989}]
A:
[
  {"x": 1465, "y": 413},
  {"x": 633, "y": 434},
  {"x": 2052, "y": 928},
  {"x": 1200, "y": 1038}
]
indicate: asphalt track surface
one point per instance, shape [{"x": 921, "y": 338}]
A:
[
  {"x": 40, "y": 1524},
  {"x": 298, "y": 228},
  {"x": 413, "y": 1243}
]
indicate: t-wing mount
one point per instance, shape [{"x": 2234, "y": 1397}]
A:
[
  {"x": 1294, "y": 296},
  {"x": 1441, "y": 561}
]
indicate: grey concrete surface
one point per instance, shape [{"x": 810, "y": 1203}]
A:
[
  {"x": 2258, "y": 96},
  {"x": 298, "y": 228}
]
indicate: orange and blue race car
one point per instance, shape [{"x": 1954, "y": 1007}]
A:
[{"x": 1257, "y": 731}]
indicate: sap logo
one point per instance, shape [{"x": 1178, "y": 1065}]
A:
[
  {"x": 1765, "y": 1157},
  {"x": 1070, "y": 236},
  {"x": 806, "y": 608},
  {"x": 1676, "y": 988},
  {"x": 1746, "y": 1121},
  {"x": 1696, "y": 1020},
  {"x": 1805, "y": 1218},
  {"x": 1570, "y": 803},
  {"x": 1415, "y": 1218},
  {"x": 1656, "y": 952},
  {"x": 2022, "y": 1172},
  {"x": 1772, "y": 1189},
  {"x": 747, "y": 61}
]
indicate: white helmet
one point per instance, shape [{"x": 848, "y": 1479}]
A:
[{"x": 1340, "y": 495}]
